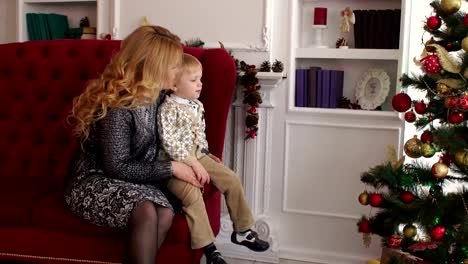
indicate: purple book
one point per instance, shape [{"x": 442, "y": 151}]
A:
[
  {"x": 325, "y": 88},
  {"x": 312, "y": 88},
  {"x": 319, "y": 89},
  {"x": 306, "y": 87},
  {"x": 300, "y": 88},
  {"x": 336, "y": 87}
]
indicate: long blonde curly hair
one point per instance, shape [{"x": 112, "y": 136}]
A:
[{"x": 133, "y": 78}]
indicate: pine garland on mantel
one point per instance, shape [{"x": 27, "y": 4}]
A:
[{"x": 252, "y": 98}]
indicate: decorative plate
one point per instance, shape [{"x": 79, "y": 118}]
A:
[{"x": 372, "y": 89}]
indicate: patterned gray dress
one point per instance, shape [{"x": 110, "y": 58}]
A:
[{"x": 117, "y": 168}]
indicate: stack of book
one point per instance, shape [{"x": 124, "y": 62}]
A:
[
  {"x": 317, "y": 87},
  {"x": 46, "y": 26},
  {"x": 55, "y": 26},
  {"x": 377, "y": 29}
]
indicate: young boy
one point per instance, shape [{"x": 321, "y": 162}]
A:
[{"x": 181, "y": 127}]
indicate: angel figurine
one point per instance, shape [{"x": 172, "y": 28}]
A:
[{"x": 347, "y": 18}]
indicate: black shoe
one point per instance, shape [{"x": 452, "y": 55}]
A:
[
  {"x": 250, "y": 240},
  {"x": 215, "y": 258}
]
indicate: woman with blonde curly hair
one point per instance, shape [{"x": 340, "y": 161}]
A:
[{"x": 115, "y": 174}]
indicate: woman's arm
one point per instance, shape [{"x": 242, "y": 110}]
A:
[{"x": 114, "y": 134}]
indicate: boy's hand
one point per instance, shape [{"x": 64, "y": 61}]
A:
[
  {"x": 200, "y": 173},
  {"x": 215, "y": 158}
]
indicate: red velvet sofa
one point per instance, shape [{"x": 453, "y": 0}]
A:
[{"x": 38, "y": 81}]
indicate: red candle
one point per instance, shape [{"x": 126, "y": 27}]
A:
[{"x": 320, "y": 16}]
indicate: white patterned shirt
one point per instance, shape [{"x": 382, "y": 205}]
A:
[{"x": 181, "y": 127}]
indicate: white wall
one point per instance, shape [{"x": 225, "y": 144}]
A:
[
  {"x": 212, "y": 21},
  {"x": 7, "y": 21},
  {"x": 237, "y": 24}
]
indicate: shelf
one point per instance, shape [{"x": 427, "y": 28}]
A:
[
  {"x": 54, "y": 1},
  {"x": 346, "y": 112},
  {"x": 353, "y": 54},
  {"x": 271, "y": 75}
]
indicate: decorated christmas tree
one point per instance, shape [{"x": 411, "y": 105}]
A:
[{"x": 423, "y": 202}]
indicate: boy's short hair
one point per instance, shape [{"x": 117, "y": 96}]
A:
[{"x": 189, "y": 63}]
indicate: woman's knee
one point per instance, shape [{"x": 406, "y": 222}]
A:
[
  {"x": 144, "y": 212},
  {"x": 165, "y": 216}
]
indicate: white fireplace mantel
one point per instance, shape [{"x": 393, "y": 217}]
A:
[{"x": 252, "y": 163}]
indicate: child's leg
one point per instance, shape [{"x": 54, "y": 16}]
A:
[
  {"x": 195, "y": 212},
  {"x": 229, "y": 184}
]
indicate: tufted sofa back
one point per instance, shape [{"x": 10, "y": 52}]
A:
[{"x": 38, "y": 81}]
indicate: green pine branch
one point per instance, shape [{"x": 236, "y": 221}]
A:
[{"x": 451, "y": 138}]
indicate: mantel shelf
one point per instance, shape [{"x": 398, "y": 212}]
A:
[
  {"x": 356, "y": 54},
  {"x": 54, "y": 1},
  {"x": 347, "y": 112}
]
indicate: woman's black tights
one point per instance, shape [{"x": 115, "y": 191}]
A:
[{"x": 148, "y": 226}]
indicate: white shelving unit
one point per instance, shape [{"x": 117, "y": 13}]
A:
[
  {"x": 326, "y": 150},
  {"x": 354, "y": 62},
  {"x": 102, "y": 14}
]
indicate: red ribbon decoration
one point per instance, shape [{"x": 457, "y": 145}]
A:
[
  {"x": 252, "y": 109},
  {"x": 251, "y": 133}
]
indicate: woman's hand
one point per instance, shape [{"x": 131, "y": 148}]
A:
[
  {"x": 201, "y": 173},
  {"x": 185, "y": 173}
]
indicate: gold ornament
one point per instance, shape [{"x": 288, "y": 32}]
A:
[
  {"x": 461, "y": 158},
  {"x": 444, "y": 89},
  {"x": 452, "y": 83},
  {"x": 427, "y": 150},
  {"x": 363, "y": 198},
  {"x": 464, "y": 44},
  {"x": 439, "y": 170},
  {"x": 446, "y": 61},
  {"x": 409, "y": 230},
  {"x": 413, "y": 147},
  {"x": 450, "y": 6},
  {"x": 392, "y": 157}
]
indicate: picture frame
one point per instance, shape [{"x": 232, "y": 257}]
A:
[{"x": 372, "y": 89}]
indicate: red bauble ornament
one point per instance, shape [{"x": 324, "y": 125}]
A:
[
  {"x": 426, "y": 137},
  {"x": 433, "y": 22},
  {"x": 394, "y": 241},
  {"x": 465, "y": 20},
  {"x": 463, "y": 103},
  {"x": 363, "y": 226},
  {"x": 421, "y": 108},
  {"x": 410, "y": 116},
  {"x": 375, "y": 199},
  {"x": 437, "y": 233},
  {"x": 455, "y": 117},
  {"x": 406, "y": 197},
  {"x": 401, "y": 102},
  {"x": 431, "y": 64},
  {"x": 447, "y": 158},
  {"x": 450, "y": 102}
]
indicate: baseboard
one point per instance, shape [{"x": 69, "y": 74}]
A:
[
  {"x": 231, "y": 250},
  {"x": 321, "y": 257}
]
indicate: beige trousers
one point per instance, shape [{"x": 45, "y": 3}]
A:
[{"x": 192, "y": 200}]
